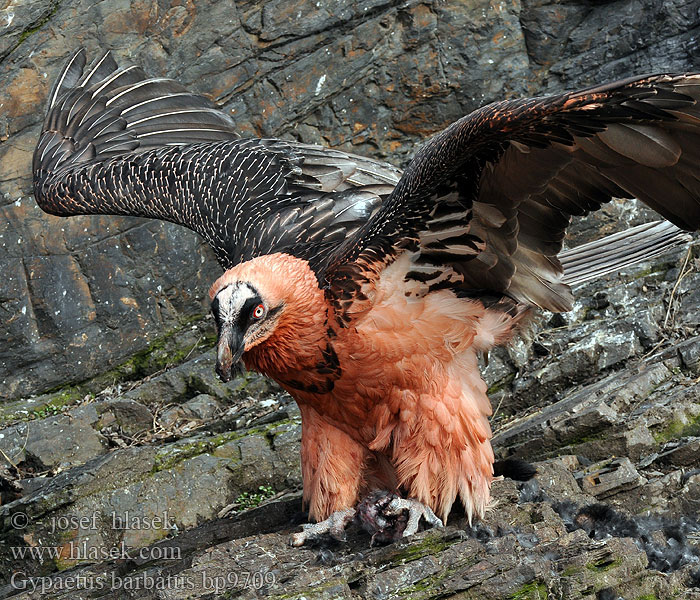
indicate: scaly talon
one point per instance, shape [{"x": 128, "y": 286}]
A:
[
  {"x": 334, "y": 525},
  {"x": 416, "y": 510}
]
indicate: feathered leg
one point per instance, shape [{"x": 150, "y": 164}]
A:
[
  {"x": 332, "y": 466},
  {"x": 441, "y": 445}
]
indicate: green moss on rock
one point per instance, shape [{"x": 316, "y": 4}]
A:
[
  {"x": 246, "y": 500},
  {"x": 171, "y": 457},
  {"x": 501, "y": 384},
  {"x": 27, "y": 32},
  {"x": 678, "y": 429},
  {"x": 604, "y": 565},
  {"x": 162, "y": 353},
  {"x": 571, "y": 571},
  {"x": 429, "y": 545},
  {"x": 166, "y": 351},
  {"x": 51, "y": 403},
  {"x": 535, "y": 590}
]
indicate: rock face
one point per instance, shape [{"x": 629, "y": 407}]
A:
[
  {"x": 375, "y": 77},
  {"x": 178, "y": 486},
  {"x": 142, "y": 475}
]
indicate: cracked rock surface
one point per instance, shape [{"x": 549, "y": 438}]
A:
[
  {"x": 375, "y": 77},
  {"x": 128, "y": 470}
]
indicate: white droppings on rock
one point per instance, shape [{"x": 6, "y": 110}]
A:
[{"x": 320, "y": 83}]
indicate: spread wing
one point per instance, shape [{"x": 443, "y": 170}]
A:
[
  {"x": 116, "y": 141},
  {"x": 484, "y": 206}
]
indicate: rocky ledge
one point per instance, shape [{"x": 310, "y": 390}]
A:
[{"x": 158, "y": 481}]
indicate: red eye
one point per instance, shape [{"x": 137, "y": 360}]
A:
[{"x": 258, "y": 311}]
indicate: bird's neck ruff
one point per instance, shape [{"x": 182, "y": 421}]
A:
[{"x": 296, "y": 343}]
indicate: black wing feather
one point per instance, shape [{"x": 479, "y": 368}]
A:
[
  {"x": 116, "y": 141},
  {"x": 511, "y": 174}
]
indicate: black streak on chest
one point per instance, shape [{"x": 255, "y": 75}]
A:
[{"x": 328, "y": 368}]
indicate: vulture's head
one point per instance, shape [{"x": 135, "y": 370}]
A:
[
  {"x": 244, "y": 318},
  {"x": 265, "y": 310}
]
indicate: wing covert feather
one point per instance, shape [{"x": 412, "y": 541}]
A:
[{"x": 511, "y": 175}]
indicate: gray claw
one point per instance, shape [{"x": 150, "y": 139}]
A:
[
  {"x": 416, "y": 510},
  {"x": 334, "y": 525}
]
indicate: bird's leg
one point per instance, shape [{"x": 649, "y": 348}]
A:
[
  {"x": 334, "y": 525},
  {"x": 440, "y": 459},
  {"x": 382, "y": 514},
  {"x": 416, "y": 510},
  {"x": 331, "y": 480}
]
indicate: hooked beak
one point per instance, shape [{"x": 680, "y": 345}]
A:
[{"x": 229, "y": 351}]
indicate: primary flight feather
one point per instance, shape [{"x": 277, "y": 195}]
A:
[{"x": 367, "y": 293}]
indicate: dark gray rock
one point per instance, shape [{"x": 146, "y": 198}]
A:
[
  {"x": 130, "y": 416},
  {"x": 588, "y": 42},
  {"x": 690, "y": 353},
  {"x": 56, "y": 442},
  {"x": 610, "y": 477},
  {"x": 377, "y": 77},
  {"x": 135, "y": 496},
  {"x": 683, "y": 452},
  {"x": 202, "y": 406}
]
